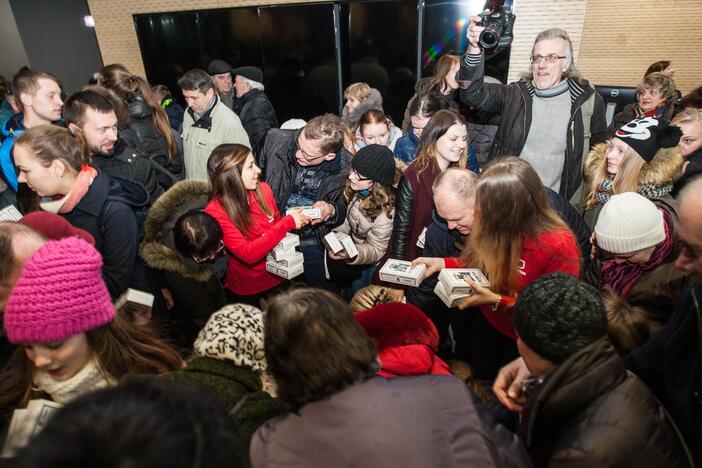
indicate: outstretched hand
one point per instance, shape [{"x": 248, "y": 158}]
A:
[{"x": 481, "y": 296}]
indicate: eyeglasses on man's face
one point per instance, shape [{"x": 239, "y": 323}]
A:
[
  {"x": 305, "y": 155},
  {"x": 550, "y": 58},
  {"x": 220, "y": 251}
]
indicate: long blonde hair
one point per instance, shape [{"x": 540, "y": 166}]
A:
[
  {"x": 510, "y": 205},
  {"x": 625, "y": 180}
]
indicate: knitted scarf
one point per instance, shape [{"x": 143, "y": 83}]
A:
[
  {"x": 66, "y": 204},
  {"x": 89, "y": 378},
  {"x": 621, "y": 277},
  {"x": 649, "y": 191},
  {"x": 656, "y": 112}
]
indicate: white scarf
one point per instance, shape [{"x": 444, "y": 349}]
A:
[{"x": 89, "y": 378}]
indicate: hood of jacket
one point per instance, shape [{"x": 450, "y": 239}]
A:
[
  {"x": 157, "y": 248},
  {"x": 664, "y": 168},
  {"x": 139, "y": 109},
  {"x": 374, "y": 101}
]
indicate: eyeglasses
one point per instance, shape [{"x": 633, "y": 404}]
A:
[
  {"x": 357, "y": 176},
  {"x": 550, "y": 58},
  {"x": 220, "y": 251},
  {"x": 305, "y": 154}
]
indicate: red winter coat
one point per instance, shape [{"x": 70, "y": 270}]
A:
[
  {"x": 549, "y": 252},
  {"x": 246, "y": 271}
]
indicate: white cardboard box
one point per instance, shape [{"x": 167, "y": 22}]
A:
[
  {"x": 348, "y": 244},
  {"x": 338, "y": 241},
  {"x": 294, "y": 259},
  {"x": 401, "y": 272},
  {"x": 451, "y": 300},
  {"x": 310, "y": 211},
  {"x": 289, "y": 242},
  {"x": 453, "y": 280},
  {"x": 332, "y": 243},
  {"x": 282, "y": 255},
  {"x": 286, "y": 273}
]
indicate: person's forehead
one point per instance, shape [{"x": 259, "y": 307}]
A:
[
  {"x": 554, "y": 45},
  {"x": 690, "y": 227},
  {"x": 193, "y": 93},
  {"x": 222, "y": 75},
  {"x": 450, "y": 206},
  {"x": 100, "y": 119},
  {"x": 47, "y": 85}
]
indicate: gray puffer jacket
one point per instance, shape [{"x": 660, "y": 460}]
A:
[{"x": 371, "y": 237}]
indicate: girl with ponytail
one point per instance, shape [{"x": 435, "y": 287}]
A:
[
  {"x": 149, "y": 123},
  {"x": 53, "y": 162}
]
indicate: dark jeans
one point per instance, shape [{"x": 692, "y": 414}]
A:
[
  {"x": 314, "y": 274},
  {"x": 258, "y": 300}
]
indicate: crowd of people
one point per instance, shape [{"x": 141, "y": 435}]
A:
[{"x": 584, "y": 347}]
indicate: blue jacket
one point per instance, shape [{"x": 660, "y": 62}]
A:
[
  {"x": 406, "y": 150},
  {"x": 11, "y": 129}
]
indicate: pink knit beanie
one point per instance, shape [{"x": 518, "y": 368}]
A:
[{"x": 60, "y": 293}]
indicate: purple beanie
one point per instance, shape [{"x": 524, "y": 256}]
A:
[{"x": 60, "y": 293}]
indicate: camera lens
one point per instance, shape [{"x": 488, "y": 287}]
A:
[{"x": 489, "y": 38}]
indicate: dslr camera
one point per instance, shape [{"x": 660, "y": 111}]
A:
[{"x": 498, "y": 25}]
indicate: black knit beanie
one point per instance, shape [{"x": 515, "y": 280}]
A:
[
  {"x": 646, "y": 136},
  {"x": 558, "y": 315},
  {"x": 375, "y": 162}
]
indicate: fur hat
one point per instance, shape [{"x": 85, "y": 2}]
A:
[
  {"x": 234, "y": 333},
  {"x": 646, "y": 136},
  {"x": 398, "y": 324},
  {"x": 558, "y": 315}
]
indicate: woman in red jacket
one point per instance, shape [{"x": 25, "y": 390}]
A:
[
  {"x": 516, "y": 238},
  {"x": 251, "y": 224}
]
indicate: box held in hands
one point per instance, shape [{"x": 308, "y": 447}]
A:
[{"x": 401, "y": 272}]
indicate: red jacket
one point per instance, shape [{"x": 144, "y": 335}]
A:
[
  {"x": 246, "y": 270},
  {"x": 548, "y": 253}
]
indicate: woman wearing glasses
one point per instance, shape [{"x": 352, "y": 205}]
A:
[
  {"x": 635, "y": 247},
  {"x": 251, "y": 223},
  {"x": 370, "y": 198},
  {"x": 655, "y": 97}
]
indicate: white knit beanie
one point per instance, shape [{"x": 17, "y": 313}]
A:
[{"x": 629, "y": 222}]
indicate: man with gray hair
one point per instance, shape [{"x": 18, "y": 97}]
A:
[
  {"x": 253, "y": 107},
  {"x": 207, "y": 123},
  {"x": 550, "y": 117}
]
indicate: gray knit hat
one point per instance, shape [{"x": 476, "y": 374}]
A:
[
  {"x": 234, "y": 333},
  {"x": 629, "y": 222},
  {"x": 558, "y": 315}
]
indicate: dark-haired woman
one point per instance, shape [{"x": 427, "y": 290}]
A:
[
  {"x": 185, "y": 244},
  {"x": 516, "y": 238},
  {"x": 251, "y": 223},
  {"x": 53, "y": 162},
  {"x": 421, "y": 110},
  {"x": 148, "y": 121}
]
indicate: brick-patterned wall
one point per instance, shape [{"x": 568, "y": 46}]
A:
[
  {"x": 614, "y": 40},
  {"x": 533, "y": 16},
  {"x": 622, "y": 38}
]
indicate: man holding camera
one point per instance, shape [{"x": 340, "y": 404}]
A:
[{"x": 550, "y": 117}]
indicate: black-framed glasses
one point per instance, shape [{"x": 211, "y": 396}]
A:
[
  {"x": 220, "y": 251},
  {"x": 358, "y": 176},
  {"x": 305, "y": 154},
  {"x": 550, "y": 58}
]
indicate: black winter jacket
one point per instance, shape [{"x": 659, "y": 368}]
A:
[
  {"x": 590, "y": 412},
  {"x": 107, "y": 213},
  {"x": 513, "y": 103},
  {"x": 257, "y": 116},
  {"x": 670, "y": 364},
  {"x": 278, "y": 165}
]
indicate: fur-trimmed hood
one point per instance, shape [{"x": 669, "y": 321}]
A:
[
  {"x": 397, "y": 324},
  {"x": 374, "y": 101},
  {"x": 664, "y": 168},
  {"x": 157, "y": 248}
]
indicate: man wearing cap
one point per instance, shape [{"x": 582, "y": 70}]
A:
[
  {"x": 221, "y": 73},
  {"x": 207, "y": 123},
  {"x": 583, "y": 408},
  {"x": 253, "y": 107}
]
